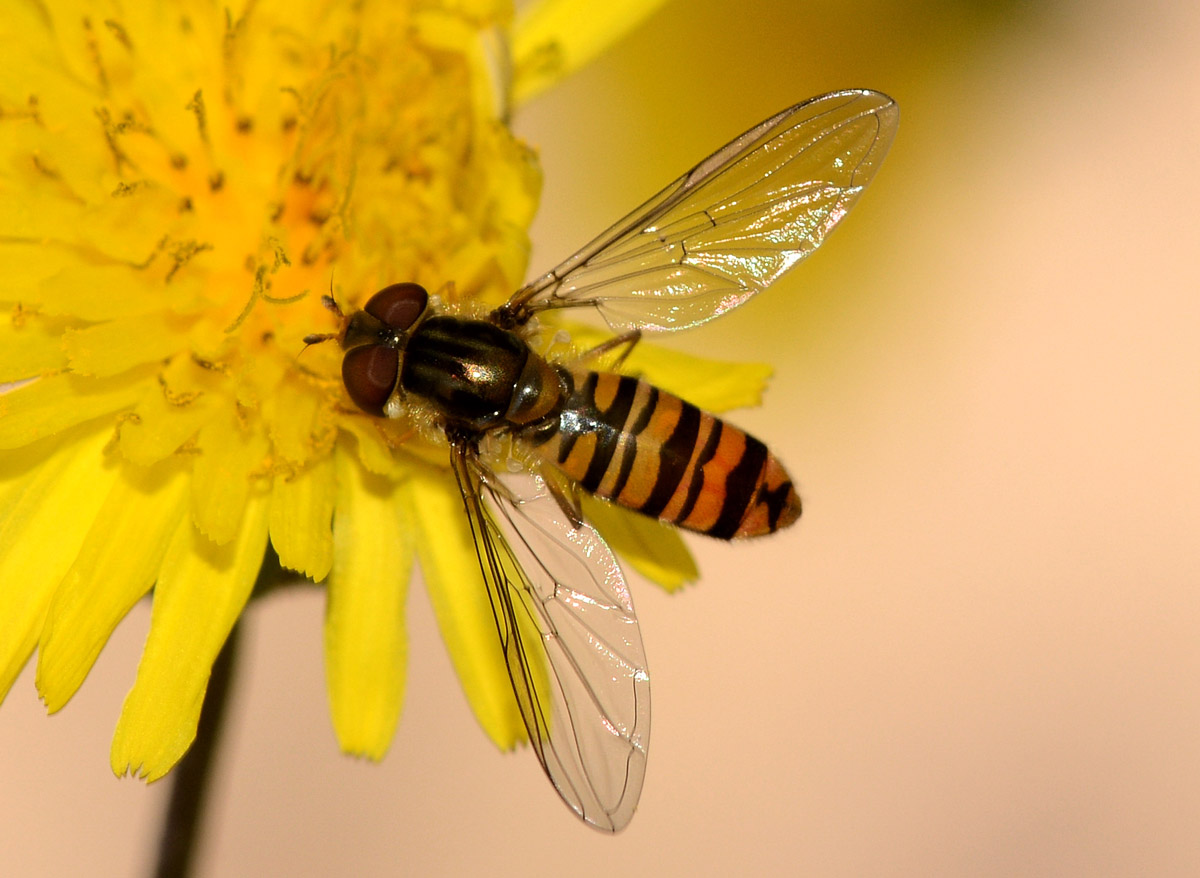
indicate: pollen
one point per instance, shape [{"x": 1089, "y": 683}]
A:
[{"x": 180, "y": 186}]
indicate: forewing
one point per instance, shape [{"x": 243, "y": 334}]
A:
[
  {"x": 733, "y": 224},
  {"x": 581, "y": 683}
]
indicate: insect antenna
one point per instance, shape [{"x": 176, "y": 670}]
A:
[
  {"x": 316, "y": 338},
  {"x": 330, "y": 304}
]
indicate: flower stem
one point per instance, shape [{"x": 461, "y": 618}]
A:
[{"x": 181, "y": 829}]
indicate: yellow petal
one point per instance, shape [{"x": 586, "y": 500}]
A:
[
  {"x": 229, "y": 455},
  {"x": 714, "y": 385},
  {"x": 554, "y": 38},
  {"x": 54, "y": 403},
  {"x": 26, "y": 264},
  {"x": 29, "y": 345},
  {"x": 365, "y": 646},
  {"x": 115, "y": 567},
  {"x": 257, "y": 379},
  {"x": 654, "y": 549},
  {"x": 370, "y": 446},
  {"x": 301, "y": 514},
  {"x": 169, "y": 413},
  {"x": 200, "y": 592},
  {"x": 127, "y": 226},
  {"x": 111, "y": 348},
  {"x": 459, "y": 597},
  {"x": 27, "y": 219},
  {"x": 297, "y": 422},
  {"x": 98, "y": 292},
  {"x": 456, "y": 36},
  {"x": 48, "y": 503}
]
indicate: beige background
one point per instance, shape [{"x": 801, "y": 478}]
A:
[{"x": 979, "y": 652}]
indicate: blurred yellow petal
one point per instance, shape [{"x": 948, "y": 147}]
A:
[
  {"x": 258, "y": 379},
  {"x": 200, "y": 592},
  {"x": 301, "y": 519},
  {"x": 554, "y": 38},
  {"x": 111, "y": 348},
  {"x": 52, "y": 404},
  {"x": 460, "y": 602},
  {"x": 26, "y": 263},
  {"x": 116, "y": 565},
  {"x": 29, "y": 345},
  {"x": 47, "y": 504},
  {"x": 655, "y": 550},
  {"x": 97, "y": 292},
  {"x": 365, "y": 647},
  {"x": 455, "y": 34}
]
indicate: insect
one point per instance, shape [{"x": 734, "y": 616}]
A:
[{"x": 702, "y": 246}]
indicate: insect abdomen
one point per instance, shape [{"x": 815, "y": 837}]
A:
[{"x": 627, "y": 441}]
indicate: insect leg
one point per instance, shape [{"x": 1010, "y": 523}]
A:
[
  {"x": 627, "y": 340},
  {"x": 565, "y": 494}
]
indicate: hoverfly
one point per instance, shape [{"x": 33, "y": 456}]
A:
[{"x": 702, "y": 246}]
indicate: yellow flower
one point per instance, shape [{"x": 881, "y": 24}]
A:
[{"x": 179, "y": 184}]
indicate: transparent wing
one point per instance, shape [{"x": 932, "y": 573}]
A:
[
  {"x": 581, "y": 680},
  {"x": 732, "y": 225}
]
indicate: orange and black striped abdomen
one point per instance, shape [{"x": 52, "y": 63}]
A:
[{"x": 627, "y": 441}]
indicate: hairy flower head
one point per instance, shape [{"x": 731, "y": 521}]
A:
[{"x": 179, "y": 185}]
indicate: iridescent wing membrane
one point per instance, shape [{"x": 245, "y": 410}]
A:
[
  {"x": 732, "y": 225},
  {"x": 582, "y": 685},
  {"x": 705, "y": 244}
]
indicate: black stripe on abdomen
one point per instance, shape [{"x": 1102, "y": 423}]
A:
[
  {"x": 611, "y": 423},
  {"x": 629, "y": 452},
  {"x": 697, "y": 483},
  {"x": 673, "y": 459},
  {"x": 740, "y": 485}
]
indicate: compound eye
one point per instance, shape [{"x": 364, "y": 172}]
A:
[
  {"x": 369, "y": 373},
  {"x": 398, "y": 305}
]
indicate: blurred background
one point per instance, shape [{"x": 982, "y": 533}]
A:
[{"x": 977, "y": 654}]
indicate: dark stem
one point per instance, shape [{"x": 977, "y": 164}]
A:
[{"x": 185, "y": 812}]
